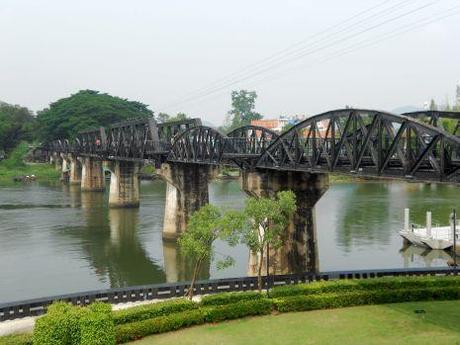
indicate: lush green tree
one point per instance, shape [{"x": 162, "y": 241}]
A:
[
  {"x": 164, "y": 117},
  {"x": 242, "y": 112},
  {"x": 204, "y": 227},
  {"x": 266, "y": 223},
  {"x": 16, "y": 124},
  {"x": 86, "y": 109},
  {"x": 433, "y": 105}
]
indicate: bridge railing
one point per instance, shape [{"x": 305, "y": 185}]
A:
[{"x": 34, "y": 307}]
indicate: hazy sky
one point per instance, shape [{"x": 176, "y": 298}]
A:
[{"x": 162, "y": 52}]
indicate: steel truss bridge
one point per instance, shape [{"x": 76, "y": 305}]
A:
[{"x": 369, "y": 143}]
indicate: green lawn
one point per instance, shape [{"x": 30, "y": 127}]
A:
[{"x": 384, "y": 324}]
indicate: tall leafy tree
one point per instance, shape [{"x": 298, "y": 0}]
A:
[
  {"x": 16, "y": 124},
  {"x": 164, "y": 117},
  {"x": 242, "y": 112},
  {"x": 204, "y": 227},
  {"x": 266, "y": 222},
  {"x": 86, "y": 109}
]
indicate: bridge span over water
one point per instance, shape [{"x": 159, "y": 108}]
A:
[{"x": 358, "y": 142}]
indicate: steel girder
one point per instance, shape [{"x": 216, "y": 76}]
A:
[
  {"x": 366, "y": 143},
  {"x": 435, "y": 118}
]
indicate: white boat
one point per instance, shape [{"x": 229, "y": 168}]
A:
[{"x": 432, "y": 237}]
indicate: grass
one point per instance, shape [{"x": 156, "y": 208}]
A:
[
  {"x": 15, "y": 166},
  {"x": 403, "y": 323}
]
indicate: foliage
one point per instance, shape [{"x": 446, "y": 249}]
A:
[
  {"x": 376, "y": 296},
  {"x": 86, "y": 109},
  {"x": 17, "y": 339},
  {"x": 436, "y": 323},
  {"x": 229, "y": 297},
  {"x": 60, "y": 326},
  {"x": 433, "y": 105},
  {"x": 204, "y": 227},
  {"x": 16, "y": 125},
  {"x": 16, "y": 157},
  {"x": 386, "y": 283},
  {"x": 139, "y": 329},
  {"x": 164, "y": 117},
  {"x": 97, "y": 326},
  {"x": 15, "y": 166},
  {"x": 242, "y": 112},
  {"x": 149, "y": 311},
  {"x": 266, "y": 222},
  {"x": 231, "y": 311}
]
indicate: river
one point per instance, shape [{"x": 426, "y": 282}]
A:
[{"x": 56, "y": 240}]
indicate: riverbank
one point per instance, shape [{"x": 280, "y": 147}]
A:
[
  {"x": 15, "y": 168},
  {"x": 41, "y": 171}
]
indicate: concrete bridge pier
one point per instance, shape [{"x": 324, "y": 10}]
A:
[
  {"x": 65, "y": 169},
  {"x": 56, "y": 159},
  {"x": 124, "y": 184},
  {"x": 299, "y": 252},
  {"x": 75, "y": 170},
  {"x": 92, "y": 175},
  {"x": 186, "y": 192}
]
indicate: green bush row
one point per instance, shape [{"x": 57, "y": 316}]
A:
[
  {"x": 150, "y": 311},
  {"x": 65, "y": 324},
  {"x": 386, "y": 283},
  {"x": 136, "y": 330},
  {"x": 348, "y": 299},
  {"x": 17, "y": 339},
  {"x": 229, "y": 297}
]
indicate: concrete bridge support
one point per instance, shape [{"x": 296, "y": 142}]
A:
[
  {"x": 124, "y": 184},
  {"x": 56, "y": 159},
  {"x": 299, "y": 252},
  {"x": 65, "y": 169},
  {"x": 92, "y": 175},
  {"x": 75, "y": 171},
  {"x": 186, "y": 192}
]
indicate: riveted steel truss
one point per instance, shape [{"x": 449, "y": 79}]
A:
[
  {"x": 202, "y": 144},
  {"x": 366, "y": 143},
  {"x": 446, "y": 120}
]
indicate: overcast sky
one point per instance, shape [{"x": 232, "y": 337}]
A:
[{"x": 162, "y": 52}]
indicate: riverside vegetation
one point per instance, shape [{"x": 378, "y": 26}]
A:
[{"x": 98, "y": 325}]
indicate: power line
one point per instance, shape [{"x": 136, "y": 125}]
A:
[
  {"x": 426, "y": 21},
  {"x": 303, "y": 52},
  {"x": 286, "y": 50}
]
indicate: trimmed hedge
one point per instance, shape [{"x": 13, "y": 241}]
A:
[
  {"x": 230, "y": 297},
  {"x": 260, "y": 306},
  {"x": 60, "y": 326},
  {"x": 17, "y": 339},
  {"x": 149, "y": 311},
  {"x": 136, "y": 330},
  {"x": 386, "y": 283},
  {"x": 340, "y": 300},
  {"x": 65, "y": 324},
  {"x": 96, "y": 325}
]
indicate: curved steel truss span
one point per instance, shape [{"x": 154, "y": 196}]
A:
[
  {"x": 447, "y": 120},
  {"x": 366, "y": 143},
  {"x": 348, "y": 141}
]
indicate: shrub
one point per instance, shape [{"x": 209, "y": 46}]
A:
[
  {"x": 139, "y": 329},
  {"x": 149, "y": 311},
  {"x": 339, "y": 300},
  {"x": 230, "y": 297},
  {"x": 17, "y": 339},
  {"x": 60, "y": 326},
  {"x": 259, "y": 306},
  {"x": 96, "y": 325},
  {"x": 386, "y": 283}
]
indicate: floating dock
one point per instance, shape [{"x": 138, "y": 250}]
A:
[{"x": 431, "y": 237}]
